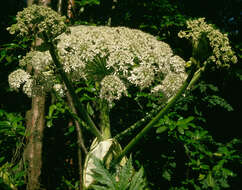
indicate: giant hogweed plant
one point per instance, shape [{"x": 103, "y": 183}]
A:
[{"x": 114, "y": 59}]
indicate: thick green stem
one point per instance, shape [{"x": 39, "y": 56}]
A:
[
  {"x": 104, "y": 120},
  {"x": 80, "y": 108},
  {"x": 145, "y": 130},
  {"x": 196, "y": 77}
]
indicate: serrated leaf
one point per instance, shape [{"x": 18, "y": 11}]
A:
[
  {"x": 98, "y": 187},
  {"x": 138, "y": 181},
  {"x": 102, "y": 175},
  {"x": 125, "y": 175}
]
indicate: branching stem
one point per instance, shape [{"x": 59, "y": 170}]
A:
[{"x": 147, "y": 128}]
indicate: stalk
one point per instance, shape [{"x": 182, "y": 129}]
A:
[
  {"x": 139, "y": 123},
  {"x": 147, "y": 128},
  {"x": 80, "y": 108},
  {"x": 80, "y": 140},
  {"x": 105, "y": 120}
]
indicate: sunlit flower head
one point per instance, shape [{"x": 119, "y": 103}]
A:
[
  {"x": 119, "y": 57},
  {"x": 221, "y": 52},
  {"x": 35, "y": 20}
]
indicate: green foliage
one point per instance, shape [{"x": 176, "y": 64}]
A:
[
  {"x": 88, "y": 2},
  {"x": 55, "y": 111},
  {"x": 12, "y": 132},
  {"x": 146, "y": 100},
  {"x": 124, "y": 178},
  {"x": 68, "y": 184},
  {"x": 97, "y": 69},
  {"x": 11, "y": 177},
  {"x": 207, "y": 162}
]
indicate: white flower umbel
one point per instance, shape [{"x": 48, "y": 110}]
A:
[
  {"x": 40, "y": 61},
  {"x": 17, "y": 78},
  {"x": 28, "y": 88},
  {"x": 36, "y": 20},
  {"x": 222, "y": 54},
  {"x": 142, "y": 76},
  {"x": 112, "y": 88},
  {"x": 130, "y": 54},
  {"x": 127, "y": 57},
  {"x": 59, "y": 89},
  {"x": 170, "y": 85}
]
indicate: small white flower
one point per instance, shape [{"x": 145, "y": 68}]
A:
[
  {"x": 142, "y": 76},
  {"x": 112, "y": 88},
  {"x": 59, "y": 89},
  {"x": 170, "y": 85},
  {"x": 17, "y": 78},
  {"x": 28, "y": 88}
]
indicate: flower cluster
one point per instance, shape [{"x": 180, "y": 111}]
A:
[
  {"x": 35, "y": 20},
  {"x": 121, "y": 56},
  {"x": 173, "y": 80},
  {"x": 137, "y": 57},
  {"x": 17, "y": 78},
  {"x": 222, "y": 53},
  {"x": 45, "y": 80},
  {"x": 112, "y": 88}
]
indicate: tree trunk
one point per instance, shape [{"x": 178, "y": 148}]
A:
[
  {"x": 33, "y": 150},
  {"x": 70, "y": 9},
  {"x": 35, "y": 121}
]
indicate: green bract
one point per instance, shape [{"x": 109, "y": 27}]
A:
[{"x": 35, "y": 20}]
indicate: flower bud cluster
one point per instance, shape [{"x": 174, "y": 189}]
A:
[
  {"x": 35, "y": 20},
  {"x": 222, "y": 53}
]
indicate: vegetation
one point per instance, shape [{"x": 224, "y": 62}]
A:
[{"x": 95, "y": 94}]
